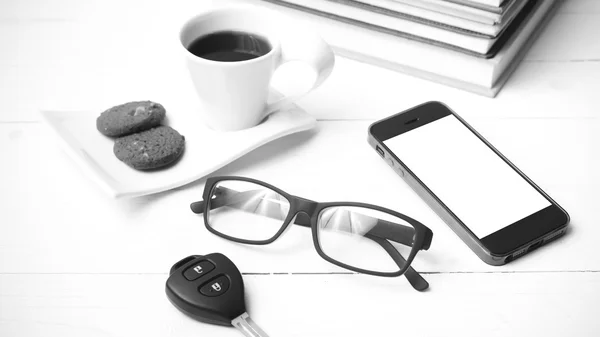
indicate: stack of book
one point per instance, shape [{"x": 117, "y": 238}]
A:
[{"x": 470, "y": 44}]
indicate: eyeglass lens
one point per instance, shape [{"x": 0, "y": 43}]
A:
[
  {"x": 360, "y": 237},
  {"x": 245, "y": 210}
]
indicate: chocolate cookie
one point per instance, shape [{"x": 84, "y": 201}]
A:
[
  {"x": 129, "y": 118},
  {"x": 150, "y": 149}
]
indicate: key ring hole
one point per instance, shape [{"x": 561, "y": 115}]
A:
[{"x": 182, "y": 262}]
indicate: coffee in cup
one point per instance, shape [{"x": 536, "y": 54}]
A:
[{"x": 229, "y": 46}]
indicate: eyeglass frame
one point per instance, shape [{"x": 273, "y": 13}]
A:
[{"x": 307, "y": 214}]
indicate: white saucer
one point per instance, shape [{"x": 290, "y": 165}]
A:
[{"x": 206, "y": 150}]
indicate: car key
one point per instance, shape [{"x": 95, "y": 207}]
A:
[{"x": 210, "y": 289}]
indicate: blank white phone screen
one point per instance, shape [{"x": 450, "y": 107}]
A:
[{"x": 484, "y": 192}]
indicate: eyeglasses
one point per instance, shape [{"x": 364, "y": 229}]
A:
[{"x": 360, "y": 237}]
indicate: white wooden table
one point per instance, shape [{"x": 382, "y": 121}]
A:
[{"x": 74, "y": 262}]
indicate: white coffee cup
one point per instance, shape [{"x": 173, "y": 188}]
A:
[{"x": 233, "y": 95}]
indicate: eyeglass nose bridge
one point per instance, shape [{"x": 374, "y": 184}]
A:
[{"x": 304, "y": 208}]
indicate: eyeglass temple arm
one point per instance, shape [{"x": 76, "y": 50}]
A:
[
  {"x": 224, "y": 197},
  {"x": 414, "y": 278},
  {"x": 383, "y": 229}
]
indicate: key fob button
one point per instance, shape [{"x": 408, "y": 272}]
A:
[
  {"x": 197, "y": 270},
  {"x": 215, "y": 287}
]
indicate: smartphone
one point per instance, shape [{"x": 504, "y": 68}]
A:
[{"x": 486, "y": 200}]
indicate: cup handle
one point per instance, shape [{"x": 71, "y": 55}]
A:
[{"x": 307, "y": 47}]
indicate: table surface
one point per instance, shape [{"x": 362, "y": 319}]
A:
[{"x": 74, "y": 262}]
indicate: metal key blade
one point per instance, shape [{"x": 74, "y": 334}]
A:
[{"x": 246, "y": 325}]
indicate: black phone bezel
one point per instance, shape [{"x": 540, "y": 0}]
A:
[{"x": 504, "y": 241}]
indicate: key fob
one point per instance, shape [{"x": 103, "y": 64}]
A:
[{"x": 207, "y": 288}]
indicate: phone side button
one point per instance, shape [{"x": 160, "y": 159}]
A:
[
  {"x": 400, "y": 172},
  {"x": 390, "y": 162}
]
